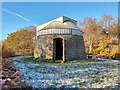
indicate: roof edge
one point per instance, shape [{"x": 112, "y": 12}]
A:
[{"x": 60, "y": 19}]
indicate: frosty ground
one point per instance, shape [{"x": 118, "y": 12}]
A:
[{"x": 97, "y": 73}]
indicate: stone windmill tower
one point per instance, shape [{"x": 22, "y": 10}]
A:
[{"x": 60, "y": 39}]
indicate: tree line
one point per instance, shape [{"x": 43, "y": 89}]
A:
[
  {"x": 101, "y": 38},
  {"x": 21, "y": 42}
]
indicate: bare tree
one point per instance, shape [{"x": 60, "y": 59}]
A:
[{"x": 91, "y": 32}]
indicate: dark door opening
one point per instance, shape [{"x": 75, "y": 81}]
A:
[{"x": 58, "y": 49}]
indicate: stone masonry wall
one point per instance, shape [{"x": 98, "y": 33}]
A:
[{"x": 74, "y": 46}]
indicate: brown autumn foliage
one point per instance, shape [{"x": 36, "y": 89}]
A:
[
  {"x": 20, "y": 42},
  {"x": 101, "y": 37}
]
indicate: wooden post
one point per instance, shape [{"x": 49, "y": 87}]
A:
[
  {"x": 63, "y": 51},
  {"x": 53, "y": 50}
]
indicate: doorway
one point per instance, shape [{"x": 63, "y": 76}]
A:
[{"x": 58, "y": 49}]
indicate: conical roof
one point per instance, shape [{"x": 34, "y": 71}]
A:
[{"x": 59, "y": 23}]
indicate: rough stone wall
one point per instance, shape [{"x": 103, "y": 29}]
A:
[
  {"x": 44, "y": 46},
  {"x": 74, "y": 46}
]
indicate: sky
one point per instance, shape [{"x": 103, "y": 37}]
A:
[{"x": 17, "y": 15}]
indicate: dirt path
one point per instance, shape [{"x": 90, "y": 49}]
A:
[{"x": 11, "y": 79}]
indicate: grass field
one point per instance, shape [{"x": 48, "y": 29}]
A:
[{"x": 89, "y": 73}]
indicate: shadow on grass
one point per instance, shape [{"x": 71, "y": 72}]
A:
[{"x": 42, "y": 60}]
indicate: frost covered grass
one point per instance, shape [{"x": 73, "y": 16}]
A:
[
  {"x": 41, "y": 60},
  {"x": 94, "y": 73}
]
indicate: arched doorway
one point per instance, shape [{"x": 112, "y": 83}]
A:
[{"x": 58, "y": 49}]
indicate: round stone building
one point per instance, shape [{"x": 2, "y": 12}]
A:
[{"x": 60, "y": 39}]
